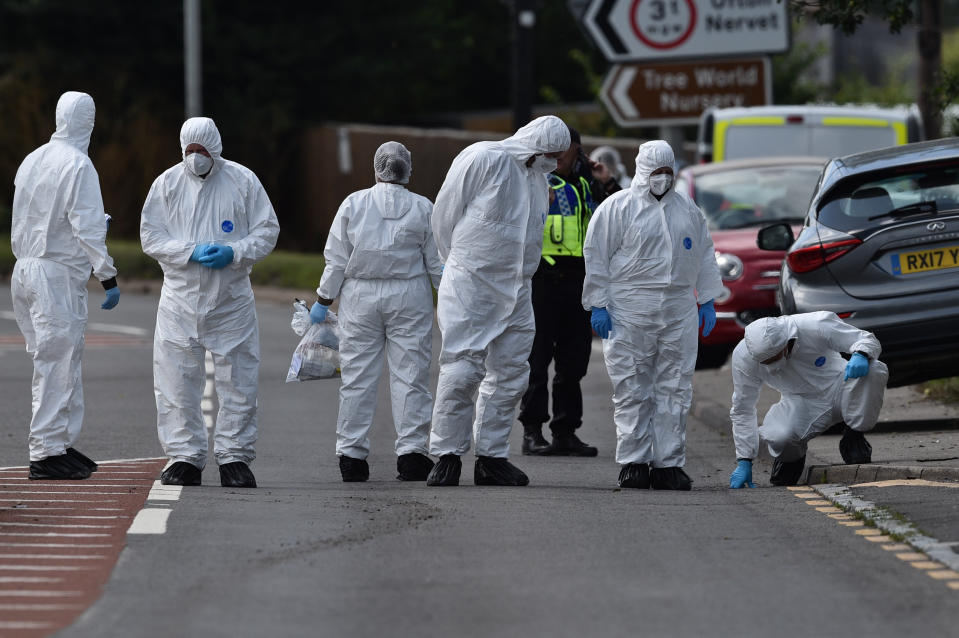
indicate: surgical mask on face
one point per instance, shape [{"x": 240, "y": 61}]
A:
[
  {"x": 198, "y": 163},
  {"x": 659, "y": 184},
  {"x": 544, "y": 164}
]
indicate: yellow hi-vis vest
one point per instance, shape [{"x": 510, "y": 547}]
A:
[{"x": 565, "y": 228}]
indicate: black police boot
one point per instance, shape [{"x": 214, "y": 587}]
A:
[
  {"x": 236, "y": 474},
  {"x": 83, "y": 458},
  {"x": 533, "y": 441},
  {"x": 446, "y": 472},
  {"x": 854, "y": 447},
  {"x": 634, "y": 475},
  {"x": 354, "y": 470},
  {"x": 787, "y": 472},
  {"x": 181, "y": 473},
  {"x": 413, "y": 467},
  {"x": 568, "y": 444},
  {"x": 62, "y": 467},
  {"x": 669, "y": 478},
  {"x": 495, "y": 471}
]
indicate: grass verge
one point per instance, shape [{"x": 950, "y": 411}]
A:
[
  {"x": 281, "y": 268},
  {"x": 945, "y": 390}
]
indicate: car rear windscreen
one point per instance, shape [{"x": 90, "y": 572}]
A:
[
  {"x": 801, "y": 139},
  {"x": 755, "y": 196},
  {"x": 877, "y": 198}
]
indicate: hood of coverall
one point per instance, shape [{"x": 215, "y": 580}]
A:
[
  {"x": 547, "y": 134},
  {"x": 202, "y": 131},
  {"x": 75, "y": 115},
  {"x": 652, "y": 155},
  {"x": 766, "y": 337}
]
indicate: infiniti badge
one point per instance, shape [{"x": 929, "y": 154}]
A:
[{"x": 936, "y": 226}]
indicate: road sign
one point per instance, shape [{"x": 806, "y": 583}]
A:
[
  {"x": 678, "y": 92},
  {"x": 645, "y": 30}
]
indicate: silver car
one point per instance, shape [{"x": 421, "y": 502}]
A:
[{"x": 880, "y": 248}]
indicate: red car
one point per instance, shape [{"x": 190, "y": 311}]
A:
[{"x": 737, "y": 198}]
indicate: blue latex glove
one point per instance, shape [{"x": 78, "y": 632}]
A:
[
  {"x": 318, "y": 312},
  {"x": 199, "y": 252},
  {"x": 217, "y": 257},
  {"x": 113, "y": 298},
  {"x": 707, "y": 317},
  {"x": 742, "y": 475},
  {"x": 858, "y": 366},
  {"x": 601, "y": 321}
]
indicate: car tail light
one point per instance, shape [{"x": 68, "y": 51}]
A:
[
  {"x": 818, "y": 255},
  {"x": 844, "y": 315}
]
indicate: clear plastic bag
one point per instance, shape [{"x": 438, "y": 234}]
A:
[{"x": 317, "y": 356}]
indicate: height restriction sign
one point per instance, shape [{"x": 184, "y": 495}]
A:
[{"x": 643, "y": 30}]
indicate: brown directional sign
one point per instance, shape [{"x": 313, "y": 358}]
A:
[{"x": 678, "y": 92}]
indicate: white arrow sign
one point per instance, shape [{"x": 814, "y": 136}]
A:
[{"x": 652, "y": 30}]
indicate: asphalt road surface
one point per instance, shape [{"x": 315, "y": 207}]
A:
[{"x": 570, "y": 555}]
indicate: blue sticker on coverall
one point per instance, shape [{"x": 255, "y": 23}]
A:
[
  {"x": 227, "y": 226},
  {"x": 688, "y": 243},
  {"x": 820, "y": 362}
]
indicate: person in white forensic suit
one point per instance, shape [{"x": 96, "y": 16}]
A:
[
  {"x": 207, "y": 220},
  {"x": 380, "y": 259},
  {"x": 488, "y": 225},
  {"x": 58, "y": 234},
  {"x": 800, "y": 355},
  {"x": 649, "y": 262}
]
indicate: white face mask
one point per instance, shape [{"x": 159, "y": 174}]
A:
[
  {"x": 659, "y": 184},
  {"x": 198, "y": 163},
  {"x": 544, "y": 164}
]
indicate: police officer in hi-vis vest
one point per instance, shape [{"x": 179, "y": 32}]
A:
[{"x": 563, "y": 332}]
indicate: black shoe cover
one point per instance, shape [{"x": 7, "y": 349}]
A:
[
  {"x": 569, "y": 445},
  {"x": 634, "y": 475},
  {"x": 236, "y": 474},
  {"x": 181, "y": 473},
  {"x": 83, "y": 458},
  {"x": 413, "y": 467},
  {"x": 62, "y": 467},
  {"x": 669, "y": 478},
  {"x": 534, "y": 443},
  {"x": 446, "y": 472},
  {"x": 354, "y": 470},
  {"x": 787, "y": 472},
  {"x": 494, "y": 471},
  {"x": 854, "y": 447}
]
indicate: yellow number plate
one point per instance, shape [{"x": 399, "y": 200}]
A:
[{"x": 923, "y": 260}]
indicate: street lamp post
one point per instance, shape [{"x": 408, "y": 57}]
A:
[{"x": 192, "y": 58}]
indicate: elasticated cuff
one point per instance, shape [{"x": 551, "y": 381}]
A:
[{"x": 109, "y": 283}]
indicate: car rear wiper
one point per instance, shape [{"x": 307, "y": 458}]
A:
[{"x": 918, "y": 208}]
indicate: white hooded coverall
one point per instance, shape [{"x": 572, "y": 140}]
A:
[
  {"x": 488, "y": 225},
  {"x": 647, "y": 263},
  {"x": 202, "y": 309},
  {"x": 815, "y": 395},
  {"x": 380, "y": 258},
  {"x": 58, "y": 233}
]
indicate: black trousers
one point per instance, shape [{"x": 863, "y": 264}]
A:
[{"x": 563, "y": 336}]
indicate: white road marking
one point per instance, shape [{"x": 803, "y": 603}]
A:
[
  {"x": 161, "y": 492},
  {"x": 37, "y": 607},
  {"x": 29, "y": 579},
  {"x": 67, "y": 525},
  {"x": 150, "y": 520},
  {"x": 24, "y": 624},
  {"x": 113, "y": 327},
  {"x": 55, "y": 556},
  {"x": 60, "y": 545},
  {"x": 53, "y": 534},
  {"x": 44, "y": 568},
  {"x": 39, "y": 593},
  {"x": 33, "y": 514}
]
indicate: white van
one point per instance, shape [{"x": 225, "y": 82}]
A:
[{"x": 825, "y": 131}]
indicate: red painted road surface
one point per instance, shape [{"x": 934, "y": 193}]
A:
[{"x": 59, "y": 541}]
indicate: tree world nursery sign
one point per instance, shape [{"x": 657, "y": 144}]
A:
[{"x": 647, "y": 30}]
